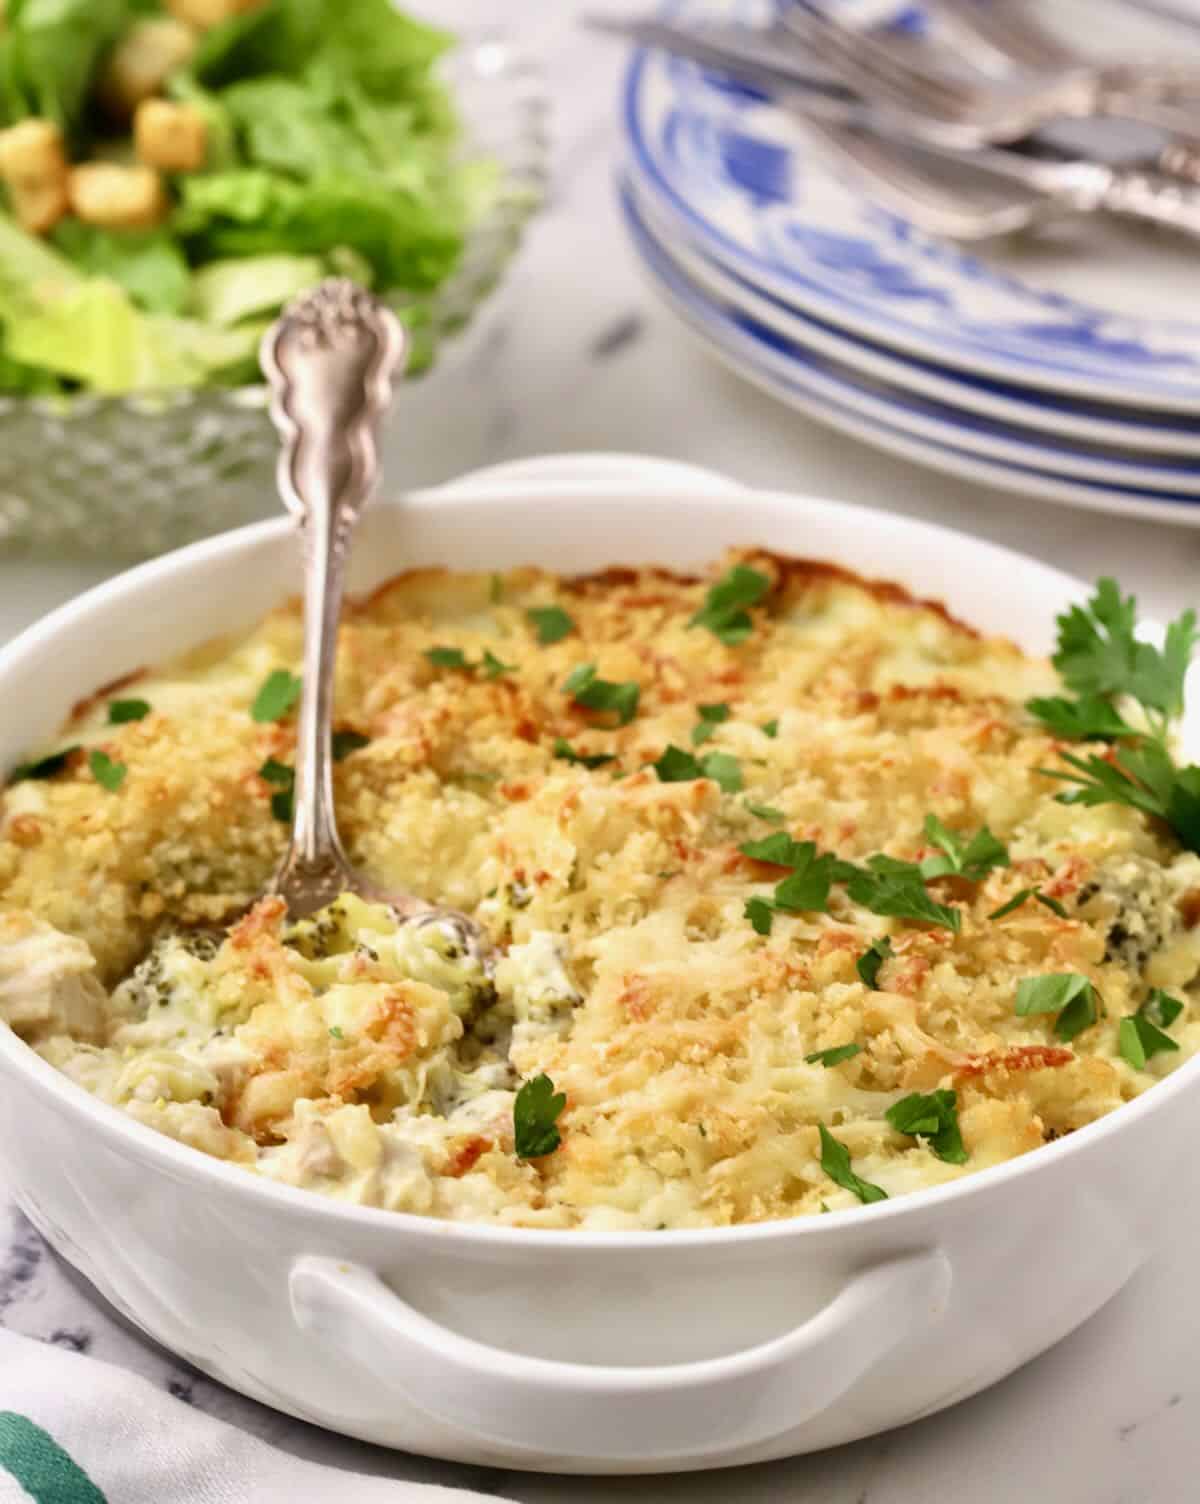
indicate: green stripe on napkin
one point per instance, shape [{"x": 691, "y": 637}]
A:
[{"x": 41, "y": 1466}]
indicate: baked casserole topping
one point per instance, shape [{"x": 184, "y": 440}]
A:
[{"x": 798, "y": 901}]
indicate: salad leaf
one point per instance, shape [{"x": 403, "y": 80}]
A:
[
  {"x": 150, "y": 267},
  {"x": 52, "y": 49},
  {"x": 225, "y": 292}
]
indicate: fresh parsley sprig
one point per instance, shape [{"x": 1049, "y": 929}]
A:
[
  {"x": 489, "y": 665},
  {"x": 957, "y": 857},
  {"x": 833, "y": 1056},
  {"x": 1071, "y": 996},
  {"x": 725, "y": 612},
  {"x": 872, "y": 959},
  {"x": 835, "y": 1161},
  {"x": 536, "y": 1111},
  {"x": 711, "y": 716},
  {"x": 551, "y": 623},
  {"x": 1143, "y": 1034},
  {"x": 278, "y": 694},
  {"x": 121, "y": 712},
  {"x": 603, "y": 694},
  {"x": 1101, "y": 659},
  {"x": 677, "y": 765},
  {"x": 932, "y": 1116}
]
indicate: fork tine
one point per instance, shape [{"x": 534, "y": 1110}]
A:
[
  {"x": 912, "y": 86},
  {"x": 899, "y": 182},
  {"x": 1007, "y": 27}
]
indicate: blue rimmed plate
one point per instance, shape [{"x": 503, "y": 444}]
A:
[
  {"x": 736, "y": 173},
  {"x": 886, "y": 420}
]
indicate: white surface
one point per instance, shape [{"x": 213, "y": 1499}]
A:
[
  {"x": 1112, "y": 1415},
  {"x": 607, "y": 1351}
]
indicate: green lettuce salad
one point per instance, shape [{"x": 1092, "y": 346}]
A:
[{"x": 172, "y": 173}]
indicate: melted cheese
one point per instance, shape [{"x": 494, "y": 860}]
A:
[{"x": 375, "y": 1063}]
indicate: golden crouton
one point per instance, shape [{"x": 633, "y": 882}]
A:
[
  {"x": 33, "y": 163},
  {"x": 206, "y": 13},
  {"x": 116, "y": 197},
  {"x": 142, "y": 61},
  {"x": 173, "y": 137}
]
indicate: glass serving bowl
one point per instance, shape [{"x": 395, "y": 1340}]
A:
[{"x": 133, "y": 476}]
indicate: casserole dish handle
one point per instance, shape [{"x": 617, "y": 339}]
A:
[{"x": 622, "y": 1414}]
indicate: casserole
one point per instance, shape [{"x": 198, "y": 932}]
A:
[{"x": 582, "y": 1351}]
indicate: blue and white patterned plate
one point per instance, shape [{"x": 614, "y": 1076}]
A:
[
  {"x": 884, "y": 420},
  {"x": 736, "y": 173}
]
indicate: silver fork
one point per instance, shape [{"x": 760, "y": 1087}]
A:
[
  {"x": 1001, "y": 34},
  {"x": 971, "y": 109},
  {"x": 865, "y": 135}
]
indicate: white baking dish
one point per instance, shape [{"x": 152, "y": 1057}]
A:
[{"x": 572, "y": 1351}]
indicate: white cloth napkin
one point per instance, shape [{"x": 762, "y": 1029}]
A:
[{"x": 77, "y": 1431}]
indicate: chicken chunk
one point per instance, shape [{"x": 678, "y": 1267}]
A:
[
  {"x": 33, "y": 165},
  {"x": 117, "y": 197},
  {"x": 142, "y": 61},
  {"x": 172, "y": 137}
]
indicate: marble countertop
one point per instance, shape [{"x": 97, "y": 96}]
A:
[{"x": 578, "y": 357}]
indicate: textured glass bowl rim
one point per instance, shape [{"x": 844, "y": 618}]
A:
[{"x": 482, "y": 58}]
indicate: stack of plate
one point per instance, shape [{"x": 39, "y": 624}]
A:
[{"x": 983, "y": 364}]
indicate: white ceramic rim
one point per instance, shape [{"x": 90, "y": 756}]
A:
[{"x": 517, "y": 483}]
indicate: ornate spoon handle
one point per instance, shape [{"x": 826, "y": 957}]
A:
[{"x": 330, "y": 361}]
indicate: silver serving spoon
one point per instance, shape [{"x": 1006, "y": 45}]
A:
[{"x": 331, "y": 361}]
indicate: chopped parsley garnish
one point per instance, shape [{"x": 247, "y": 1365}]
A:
[
  {"x": 834, "y": 1056},
  {"x": 711, "y": 716},
  {"x": 535, "y": 1114},
  {"x": 779, "y": 849},
  {"x": 551, "y": 623},
  {"x": 1161, "y": 1008},
  {"x": 766, "y": 812},
  {"x": 492, "y": 666},
  {"x": 122, "y": 711},
  {"x": 283, "y": 780},
  {"x": 279, "y": 693},
  {"x": 345, "y": 742},
  {"x": 43, "y": 767},
  {"x": 1102, "y": 661},
  {"x": 771, "y": 728},
  {"x": 602, "y": 694},
  {"x": 972, "y": 859},
  {"x": 108, "y": 774},
  {"x": 725, "y": 612},
  {"x": 564, "y": 750},
  {"x": 336, "y": 1033},
  {"x": 804, "y": 890},
  {"x": 933, "y": 1116},
  {"x": 891, "y": 887},
  {"x": 1071, "y": 996},
  {"x": 761, "y": 915},
  {"x": 872, "y": 959},
  {"x": 835, "y": 1161},
  {"x": 679, "y": 766},
  {"x": 489, "y": 665},
  {"x": 443, "y": 657},
  {"x": 1141, "y": 1036},
  {"x": 1023, "y": 897}
]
